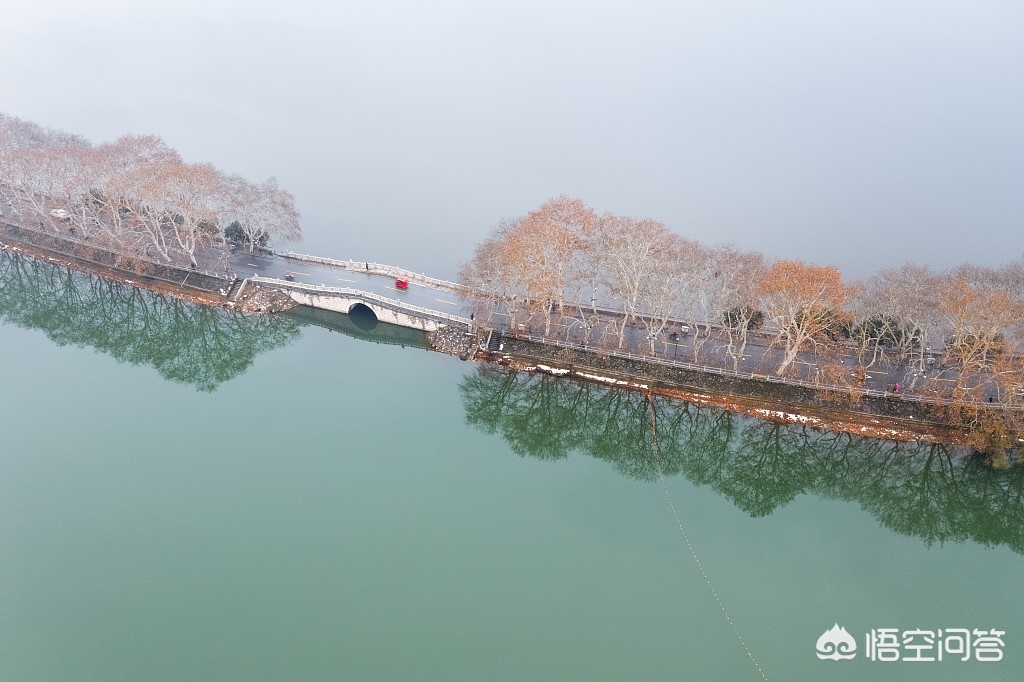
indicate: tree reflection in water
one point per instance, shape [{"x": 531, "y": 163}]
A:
[
  {"x": 184, "y": 342},
  {"x": 929, "y": 491}
]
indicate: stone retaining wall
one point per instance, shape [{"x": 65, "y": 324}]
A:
[{"x": 775, "y": 395}]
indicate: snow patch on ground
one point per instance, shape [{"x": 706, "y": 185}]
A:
[
  {"x": 559, "y": 371},
  {"x": 555, "y": 371},
  {"x": 609, "y": 380},
  {"x": 787, "y": 416}
]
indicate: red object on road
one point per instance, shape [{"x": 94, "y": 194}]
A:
[{"x": 401, "y": 284}]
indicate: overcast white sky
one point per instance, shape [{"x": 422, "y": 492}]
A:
[{"x": 856, "y": 133}]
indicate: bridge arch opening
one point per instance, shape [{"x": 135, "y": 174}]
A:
[{"x": 363, "y": 317}]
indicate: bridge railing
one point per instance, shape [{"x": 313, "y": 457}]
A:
[
  {"x": 377, "y": 269},
  {"x": 366, "y": 295}
]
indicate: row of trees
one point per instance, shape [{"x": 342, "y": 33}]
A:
[
  {"x": 564, "y": 259},
  {"x": 135, "y": 196}
]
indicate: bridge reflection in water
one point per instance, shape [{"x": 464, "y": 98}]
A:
[
  {"x": 928, "y": 491},
  {"x": 360, "y": 324}
]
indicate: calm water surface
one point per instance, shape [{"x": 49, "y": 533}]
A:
[{"x": 192, "y": 495}]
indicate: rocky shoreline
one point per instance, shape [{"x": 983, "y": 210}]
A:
[
  {"x": 453, "y": 341},
  {"x": 258, "y": 300}
]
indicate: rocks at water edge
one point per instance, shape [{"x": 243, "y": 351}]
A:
[
  {"x": 453, "y": 341},
  {"x": 257, "y": 299}
]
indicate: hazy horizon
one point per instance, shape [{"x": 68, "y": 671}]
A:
[{"x": 856, "y": 134}]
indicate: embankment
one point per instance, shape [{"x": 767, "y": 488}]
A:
[{"x": 889, "y": 417}]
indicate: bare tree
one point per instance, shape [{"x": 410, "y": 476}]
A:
[
  {"x": 123, "y": 170},
  {"x": 908, "y": 298},
  {"x": 543, "y": 245},
  {"x": 677, "y": 264},
  {"x": 487, "y": 279},
  {"x": 737, "y": 276},
  {"x": 194, "y": 198},
  {"x": 75, "y": 171},
  {"x": 34, "y": 178},
  {"x": 146, "y": 197},
  {"x": 630, "y": 248},
  {"x": 801, "y": 301},
  {"x": 979, "y": 318},
  {"x": 265, "y": 213},
  {"x": 876, "y": 334},
  {"x": 16, "y": 136}
]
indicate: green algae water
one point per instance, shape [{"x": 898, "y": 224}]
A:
[{"x": 190, "y": 494}]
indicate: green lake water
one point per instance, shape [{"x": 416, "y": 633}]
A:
[{"x": 191, "y": 495}]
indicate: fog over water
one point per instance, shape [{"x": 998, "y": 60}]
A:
[
  {"x": 861, "y": 134},
  {"x": 188, "y": 494}
]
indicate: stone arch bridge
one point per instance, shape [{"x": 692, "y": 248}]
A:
[{"x": 365, "y": 303}]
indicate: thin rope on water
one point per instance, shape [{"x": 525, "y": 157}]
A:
[{"x": 689, "y": 545}]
